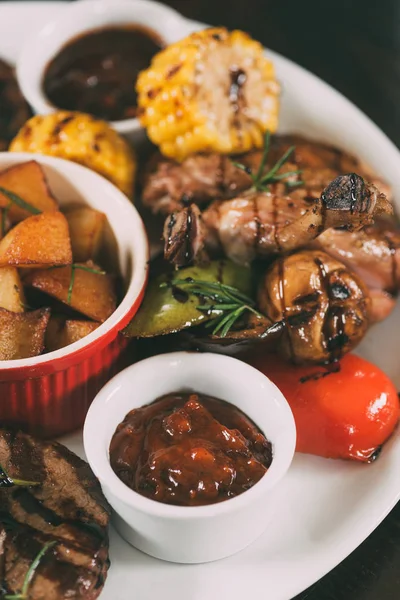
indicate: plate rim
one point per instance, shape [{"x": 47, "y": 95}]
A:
[{"x": 336, "y": 554}]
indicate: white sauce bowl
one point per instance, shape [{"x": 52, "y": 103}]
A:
[
  {"x": 200, "y": 533},
  {"x": 84, "y": 16}
]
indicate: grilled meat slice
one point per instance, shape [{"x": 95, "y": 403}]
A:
[
  {"x": 67, "y": 508},
  {"x": 374, "y": 255},
  {"x": 202, "y": 178},
  {"x": 259, "y": 224}
]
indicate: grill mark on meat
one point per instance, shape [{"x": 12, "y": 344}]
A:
[
  {"x": 30, "y": 517},
  {"x": 258, "y": 223},
  {"x": 188, "y": 236},
  {"x": 281, "y": 284},
  {"x": 171, "y": 224},
  {"x": 26, "y": 459},
  {"x": 353, "y": 203},
  {"x": 333, "y": 328},
  {"x": 32, "y": 505},
  {"x": 275, "y": 213}
]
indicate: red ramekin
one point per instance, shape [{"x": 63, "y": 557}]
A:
[{"x": 49, "y": 395}]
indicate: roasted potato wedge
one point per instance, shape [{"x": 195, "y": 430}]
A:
[
  {"x": 22, "y": 334},
  {"x": 38, "y": 241},
  {"x": 12, "y": 296},
  {"x": 86, "y": 227},
  {"x": 170, "y": 309},
  {"x": 28, "y": 181},
  {"x": 93, "y": 294},
  {"x": 62, "y": 332}
]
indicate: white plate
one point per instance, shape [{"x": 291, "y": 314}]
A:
[{"x": 325, "y": 508}]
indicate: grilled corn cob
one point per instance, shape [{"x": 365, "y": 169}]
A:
[
  {"x": 83, "y": 139},
  {"x": 212, "y": 91}
]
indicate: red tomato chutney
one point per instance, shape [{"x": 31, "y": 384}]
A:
[{"x": 189, "y": 449}]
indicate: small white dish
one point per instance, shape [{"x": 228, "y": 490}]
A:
[
  {"x": 76, "y": 19},
  {"x": 201, "y": 533}
]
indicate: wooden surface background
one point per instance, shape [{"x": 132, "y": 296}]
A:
[{"x": 355, "y": 46}]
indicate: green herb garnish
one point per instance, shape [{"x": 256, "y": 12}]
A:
[
  {"x": 23, "y": 595},
  {"x": 15, "y": 199},
  {"x": 262, "y": 180},
  {"x": 72, "y": 280},
  {"x": 7, "y": 481},
  {"x": 227, "y": 303}
]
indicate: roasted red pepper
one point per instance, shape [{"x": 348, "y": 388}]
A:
[{"x": 346, "y": 413}]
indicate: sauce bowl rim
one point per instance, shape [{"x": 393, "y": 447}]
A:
[
  {"x": 33, "y": 60},
  {"x": 97, "y": 440}
]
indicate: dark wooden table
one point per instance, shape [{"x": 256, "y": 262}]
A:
[{"x": 355, "y": 46}]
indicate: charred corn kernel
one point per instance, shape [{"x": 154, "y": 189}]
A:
[
  {"x": 83, "y": 139},
  {"x": 214, "y": 91}
]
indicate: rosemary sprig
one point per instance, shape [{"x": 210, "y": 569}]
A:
[
  {"x": 8, "y": 481},
  {"x": 225, "y": 302},
  {"x": 23, "y": 595},
  {"x": 75, "y": 266},
  {"x": 72, "y": 280},
  {"x": 15, "y": 199},
  {"x": 262, "y": 180}
]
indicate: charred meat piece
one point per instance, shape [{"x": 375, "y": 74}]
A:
[
  {"x": 14, "y": 110},
  {"x": 261, "y": 224},
  {"x": 321, "y": 306},
  {"x": 374, "y": 255},
  {"x": 65, "y": 510},
  {"x": 183, "y": 235},
  {"x": 202, "y": 178}
]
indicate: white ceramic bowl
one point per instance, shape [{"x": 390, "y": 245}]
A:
[
  {"x": 49, "y": 394},
  {"x": 201, "y": 533},
  {"x": 74, "y": 20}
]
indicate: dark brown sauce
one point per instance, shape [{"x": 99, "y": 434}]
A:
[
  {"x": 189, "y": 450},
  {"x": 97, "y": 71}
]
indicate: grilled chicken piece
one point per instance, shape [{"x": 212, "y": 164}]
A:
[
  {"x": 374, "y": 255},
  {"x": 67, "y": 508},
  {"x": 169, "y": 186},
  {"x": 321, "y": 306},
  {"x": 202, "y": 178},
  {"x": 258, "y": 224}
]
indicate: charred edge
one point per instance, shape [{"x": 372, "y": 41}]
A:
[
  {"x": 171, "y": 224},
  {"x": 353, "y": 186},
  {"x": 336, "y": 338},
  {"x": 257, "y": 221},
  {"x": 275, "y": 213},
  {"x": 330, "y": 368},
  {"x": 58, "y": 128}
]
